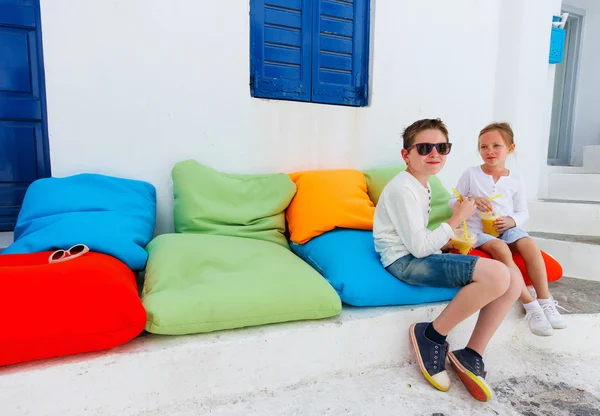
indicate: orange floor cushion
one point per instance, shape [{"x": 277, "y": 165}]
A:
[
  {"x": 88, "y": 303},
  {"x": 553, "y": 268}
]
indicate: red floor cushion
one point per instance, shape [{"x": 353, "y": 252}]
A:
[
  {"x": 553, "y": 268},
  {"x": 85, "y": 304}
]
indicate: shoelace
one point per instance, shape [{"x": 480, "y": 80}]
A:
[
  {"x": 551, "y": 307},
  {"x": 478, "y": 367},
  {"x": 537, "y": 315}
]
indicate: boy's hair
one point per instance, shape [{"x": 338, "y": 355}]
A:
[
  {"x": 503, "y": 128},
  {"x": 418, "y": 126}
]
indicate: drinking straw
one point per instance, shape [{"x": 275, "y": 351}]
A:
[
  {"x": 494, "y": 197},
  {"x": 464, "y": 222},
  {"x": 457, "y": 194}
]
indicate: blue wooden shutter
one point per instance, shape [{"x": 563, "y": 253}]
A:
[
  {"x": 340, "y": 52},
  {"x": 24, "y": 155},
  {"x": 280, "y": 49}
]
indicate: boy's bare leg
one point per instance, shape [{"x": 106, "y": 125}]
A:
[
  {"x": 468, "y": 366},
  {"x": 492, "y": 315},
  {"x": 491, "y": 279}
]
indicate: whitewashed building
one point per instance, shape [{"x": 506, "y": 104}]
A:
[{"x": 134, "y": 86}]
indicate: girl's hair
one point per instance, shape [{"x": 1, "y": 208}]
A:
[{"x": 503, "y": 128}]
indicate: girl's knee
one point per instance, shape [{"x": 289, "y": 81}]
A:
[
  {"x": 500, "y": 251},
  {"x": 528, "y": 243}
]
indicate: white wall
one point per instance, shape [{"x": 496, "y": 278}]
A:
[
  {"x": 524, "y": 85},
  {"x": 135, "y": 86},
  {"x": 587, "y": 102}
]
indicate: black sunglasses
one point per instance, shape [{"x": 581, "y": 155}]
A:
[{"x": 425, "y": 148}]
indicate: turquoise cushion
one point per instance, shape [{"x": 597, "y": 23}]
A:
[
  {"x": 348, "y": 260},
  {"x": 110, "y": 215}
]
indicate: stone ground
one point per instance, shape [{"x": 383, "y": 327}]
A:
[
  {"x": 577, "y": 295},
  {"x": 525, "y": 382}
]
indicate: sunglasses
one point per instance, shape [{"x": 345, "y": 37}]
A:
[
  {"x": 425, "y": 148},
  {"x": 64, "y": 255}
]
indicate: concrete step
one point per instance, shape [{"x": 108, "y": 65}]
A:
[
  {"x": 591, "y": 159},
  {"x": 576, "y": 253},
  {"x": 155, "y": 375},
  {"x": 575, "y": 186},
  {"x": 564, "y": 217},
  {"x": 565, "y": 169},
  {"x": 520, "y": 388}
]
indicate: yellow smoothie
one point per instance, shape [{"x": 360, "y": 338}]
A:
[
  {"x": 461, "y": 243},
  {"x": 488, "y": 219}
]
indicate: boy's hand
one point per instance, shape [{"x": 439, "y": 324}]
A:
[
  {"x": 483, "y": 204},
  {"x": 446, "y": 248},
  {"x": 504, "y": 223},
  {"x": 465, "y": 209},
  {"x": 462, "y": 211}
]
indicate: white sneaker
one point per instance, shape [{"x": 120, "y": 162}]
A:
[
  {"x": 538, "y": 323},
  {"x": 553, "y": 316}
]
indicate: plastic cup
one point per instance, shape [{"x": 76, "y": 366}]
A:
[
  {"x": 462, "y": 244},
  {"x": 488, "y": 219}
]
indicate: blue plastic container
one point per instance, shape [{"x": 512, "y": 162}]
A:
[{"x": 557, "y": 44}]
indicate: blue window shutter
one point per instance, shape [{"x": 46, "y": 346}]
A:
[
  {"x": 340, "y": 52},
  {"x": 280, "y": 49}
]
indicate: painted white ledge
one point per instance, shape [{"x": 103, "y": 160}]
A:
[
  {"x": 574, "y": 186},
  {"x": 159, "y": 372},
  {"x": 564, "y": 218}
]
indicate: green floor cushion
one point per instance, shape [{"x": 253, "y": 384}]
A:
[
  {"x": 212, "y": 202},
  {"x": 202, "y": 283},
  {"x": 378, "y": 178}
]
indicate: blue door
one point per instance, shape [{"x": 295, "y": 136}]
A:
[{"x": 24, "y": 155}]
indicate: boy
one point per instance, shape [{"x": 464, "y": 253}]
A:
[{"x": 412, "y": 253}]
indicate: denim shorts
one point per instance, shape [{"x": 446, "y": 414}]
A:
[
  {"x": 509, "y": 236},
  {"x": 436, "y": 270}
]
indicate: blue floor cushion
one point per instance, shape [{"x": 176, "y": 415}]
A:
[
  {"x": 349, "y": 262},
  {"x": 110, "y": 215}
]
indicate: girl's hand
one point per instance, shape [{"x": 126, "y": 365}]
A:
[
  {"x": 504, "y": 223},
  {"x": 483, "y": 204}
]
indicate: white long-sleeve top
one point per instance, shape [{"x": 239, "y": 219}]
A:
[
  {"x": 474, "y": 183},
  {"x": 400, "y": 223}
]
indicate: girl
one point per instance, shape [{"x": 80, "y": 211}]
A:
[
  {"x": 411, "y": 252},
  {"x": 496, "y": 142}
]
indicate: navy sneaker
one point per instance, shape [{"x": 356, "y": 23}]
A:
[
  {"x": 470, "y": 370},
  {"x": 431, "y": 357}
]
